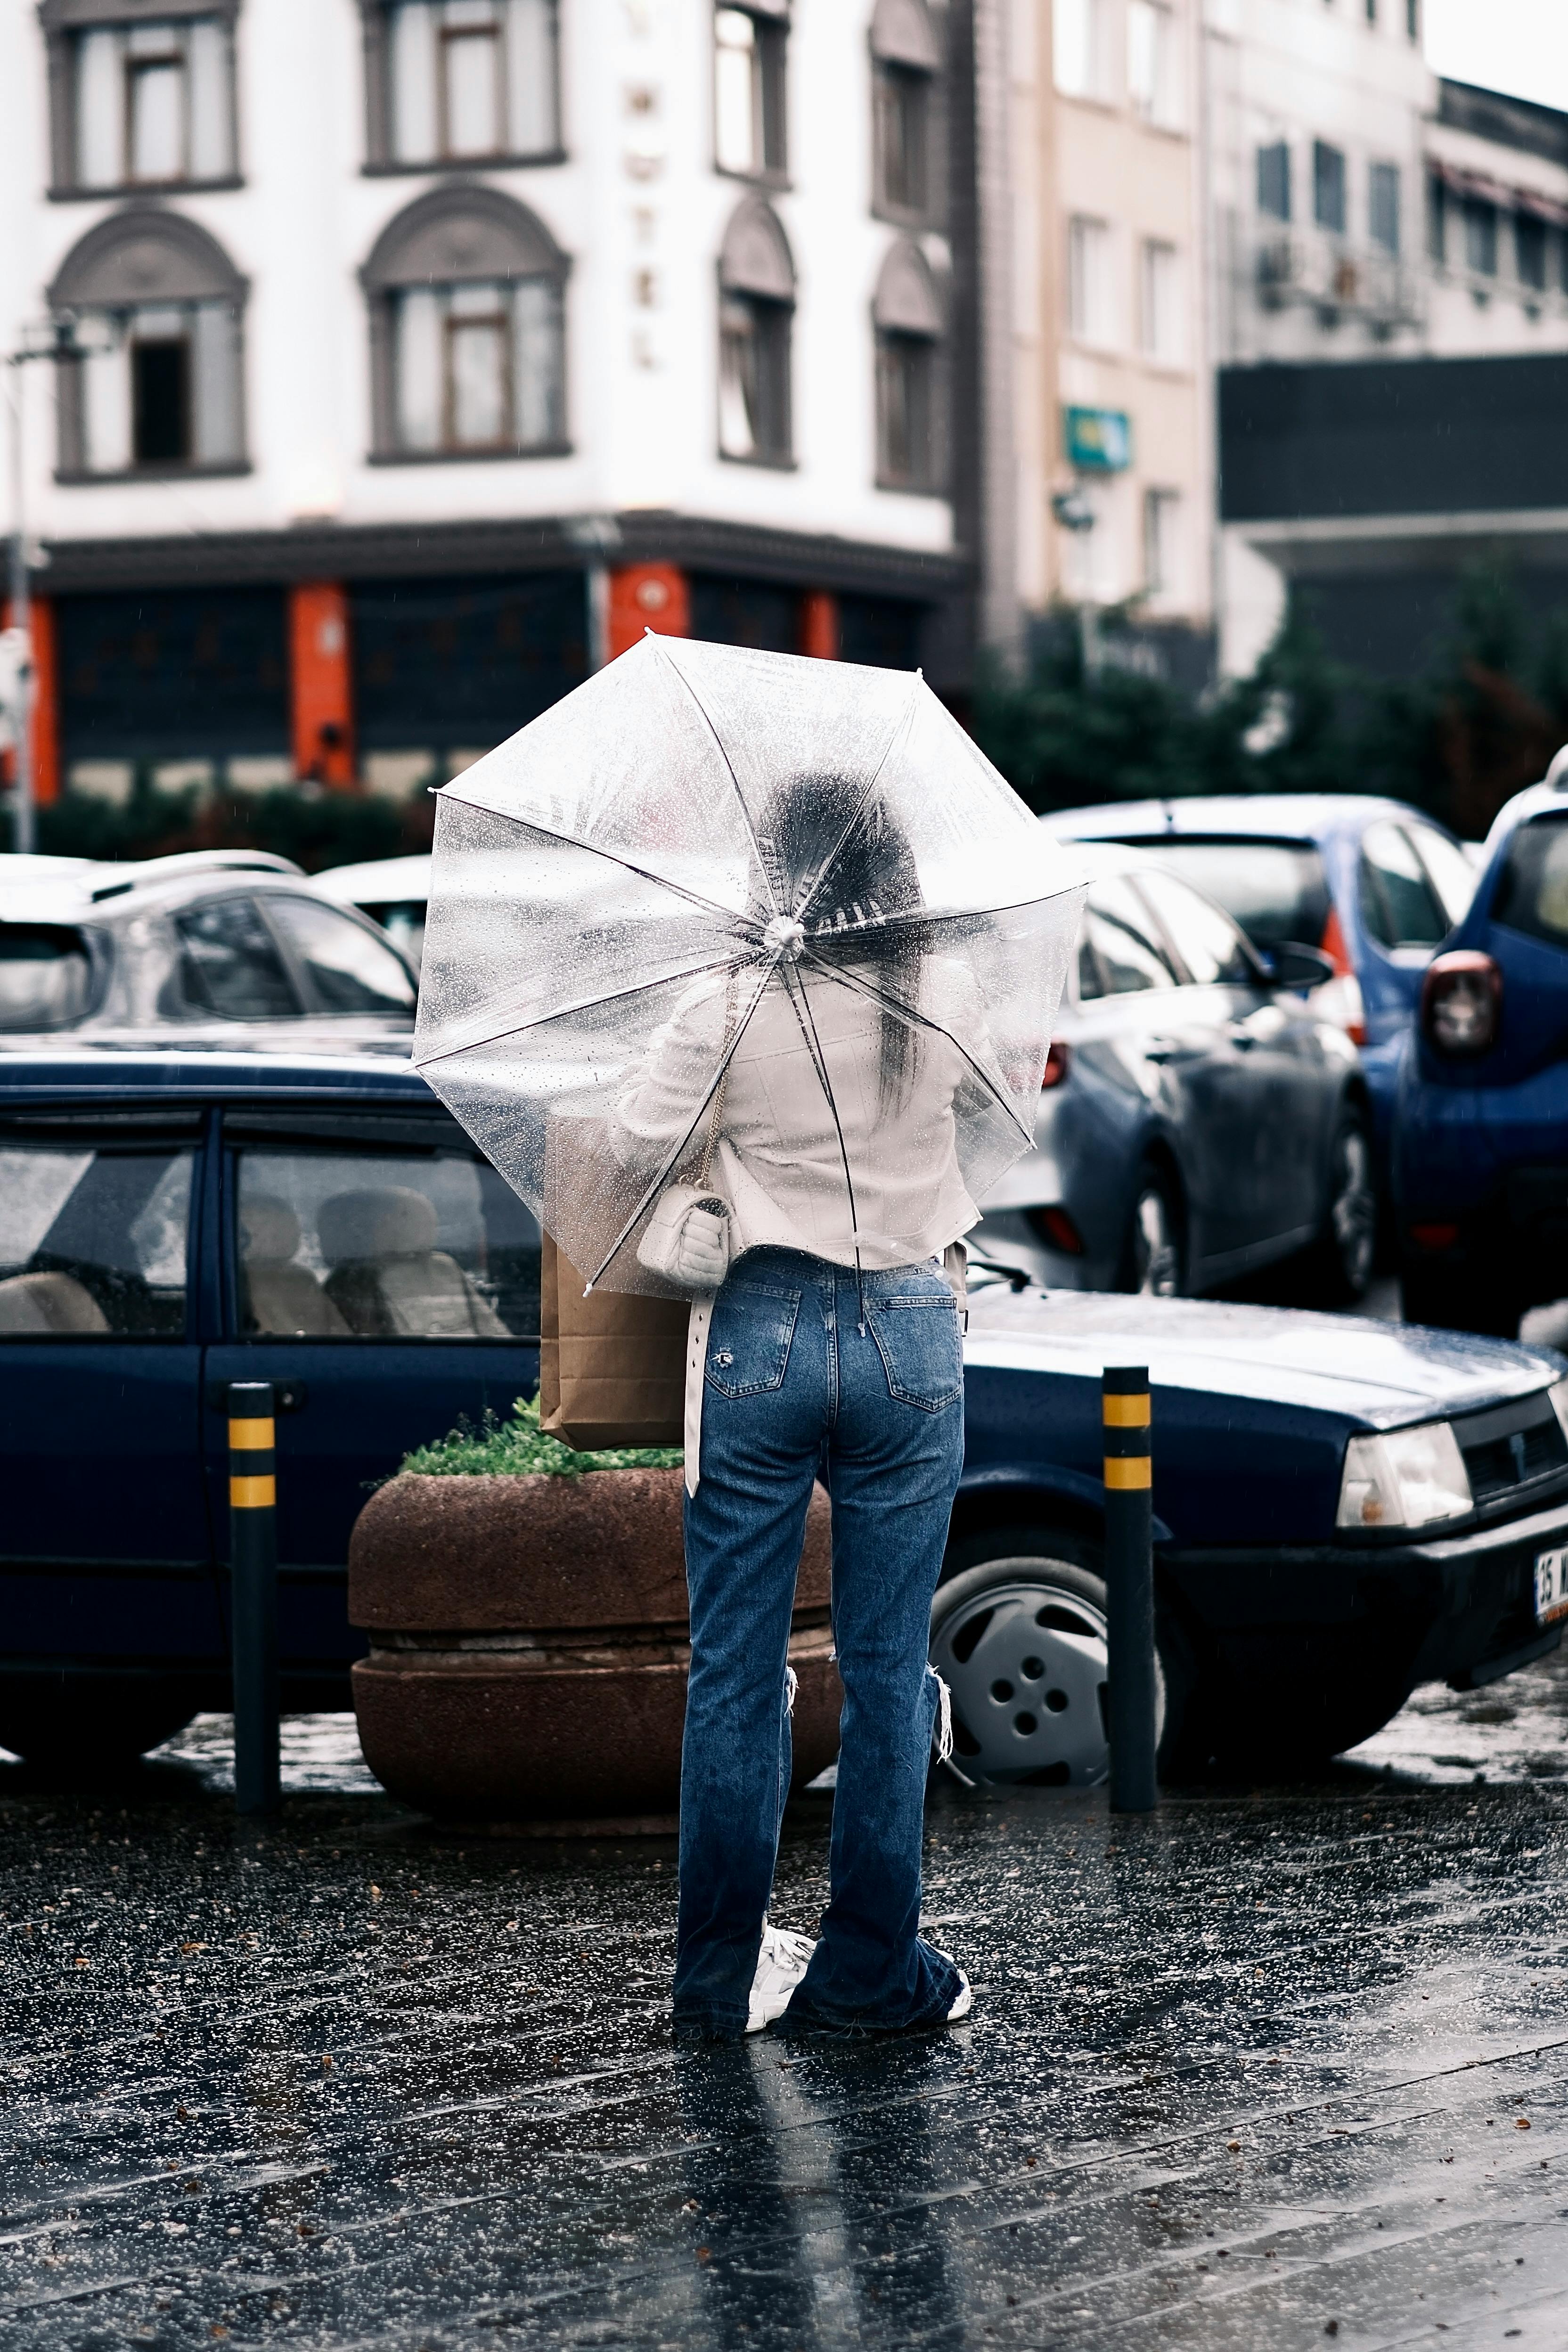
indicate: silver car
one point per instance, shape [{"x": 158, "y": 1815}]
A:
[{"x": 212, "y": 948}]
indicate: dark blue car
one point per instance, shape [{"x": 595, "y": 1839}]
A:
[
  {"x": 1344, "y": 1509},
  {"x": 1481, "y": 1149},
  {"x": 1375, "y": 884}
]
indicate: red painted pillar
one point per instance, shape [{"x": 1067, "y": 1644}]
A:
[
  {"x": 320, "y": 690},
  {"x": 656, "y": 596},
  {"x": 819, "y": 624},
  {"x": 46, "y": 701}
]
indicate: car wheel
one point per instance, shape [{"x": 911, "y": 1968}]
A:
[
  {"x": 1019, "y": 1636},
  {"x": 87, "y": 1724},
  {"x": 1456, "y": 1299},
  {"x": 1152, "y": 1251},
  {"x": 1347, "y": 1244}
]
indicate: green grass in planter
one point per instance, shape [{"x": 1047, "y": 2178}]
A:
[{"x": 518, "y": 1448}]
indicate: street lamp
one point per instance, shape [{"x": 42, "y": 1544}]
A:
[{"x": 50, "y": 339}]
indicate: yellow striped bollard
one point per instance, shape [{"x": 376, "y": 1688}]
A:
[
  {"x": 253, "y": 1594},
  {"x": 1130, "y": 1589}
]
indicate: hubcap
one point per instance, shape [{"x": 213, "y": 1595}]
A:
[
  {"x": 1354, "y": 1212},
  {"x": 1155, "y": 1261},
  {"x": 1025, "y": 1661}
]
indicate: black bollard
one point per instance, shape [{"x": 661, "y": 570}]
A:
[
  {"x": 1129, "y": 1590},
  {"x": 253, "y": 1594}
]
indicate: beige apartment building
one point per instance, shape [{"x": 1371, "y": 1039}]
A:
[{"x": 1111, "y": 407}]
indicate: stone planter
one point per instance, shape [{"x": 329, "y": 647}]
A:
[{"x": 529, "y": 1646}]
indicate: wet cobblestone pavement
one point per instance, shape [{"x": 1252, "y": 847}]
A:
[{"x": 1272, "y": 2068}]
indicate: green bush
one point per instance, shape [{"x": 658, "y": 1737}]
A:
[{"x": 518, "y": 1448}]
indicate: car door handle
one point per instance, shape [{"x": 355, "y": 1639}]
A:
[
  {"x": 1160, "y": 1049},
  {"x": 1243, "y": 1039}
]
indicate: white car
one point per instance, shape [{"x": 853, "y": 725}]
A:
[{"x": 393, "y": 891}]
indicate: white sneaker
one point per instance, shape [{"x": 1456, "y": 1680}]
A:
[
  {"x": 963, "y": 1999},
  {"x": 781, "y": 1964}
]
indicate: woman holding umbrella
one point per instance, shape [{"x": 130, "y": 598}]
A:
[
  {"x": 832, "y": 1350},
  {"x": 741, "y": 970}
]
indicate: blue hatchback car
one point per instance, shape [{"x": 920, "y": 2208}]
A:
[
  {"x": 1377, "y": 885},
  {"x": 1344, "y": 1510},
  {"x": 1480, "y": 1144}
]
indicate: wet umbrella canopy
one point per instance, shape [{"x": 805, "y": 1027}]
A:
[{"x": 715, "y": 889}]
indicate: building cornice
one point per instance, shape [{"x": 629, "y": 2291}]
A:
[{"x": 326, "y": 551}]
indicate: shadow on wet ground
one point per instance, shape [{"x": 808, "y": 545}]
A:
[{"x": 1272, "y": 2067}]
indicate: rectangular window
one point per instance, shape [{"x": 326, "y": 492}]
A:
[
  {"x": 1162, "y": 509},
  {"x": 1161, "y": 302},
  {"x": 901, "y": 96},
  {"x": 471, "y": 78},
  {"x": 1383, "y": 205},
  {"x": 749, "y": 66},
  {"x": 754, "y": 379},
  {"x": 1529, "y": 251},
  {"x": 152, "y": 105},
  {"x": 1328, "y": 186},
  {"x": 1091, "y": 311},
  {"x": 1274, "y": 180},
  {"x": 1081, "y": 48},
  {"x": 92, "y": 1239},
  {"x": 1480, "y": 236},
  {"x": 417, "y": 1243},
  {"x": 161, "y": 395},
  {"x": 1437, "y": 218},
  {"x": 1152, "y": 63},
  {"x": 905, "y": 419}
]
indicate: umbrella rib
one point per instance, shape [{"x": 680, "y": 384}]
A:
[
  {"x": 585, "y": 1004},
  {"x": 728, "y": 770},
  {"x": 596, "y": 849},
  {"x": 673, "y": 1161},
  {"x": 923, "y": 1020}
]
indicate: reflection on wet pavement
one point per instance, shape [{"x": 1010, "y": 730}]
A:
[{"x": 1270, "y": 2068}]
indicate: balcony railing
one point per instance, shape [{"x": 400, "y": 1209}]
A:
[{"x": 1336, "y": 280}]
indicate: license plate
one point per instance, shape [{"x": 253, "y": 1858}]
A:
[{"x": 1551, "y": 1587}]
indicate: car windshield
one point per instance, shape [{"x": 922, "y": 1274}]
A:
[
  {"x": 1276, "y": 890},
  {"x": 1533, "y": 890},
  {"x": 46, "y": 976}
]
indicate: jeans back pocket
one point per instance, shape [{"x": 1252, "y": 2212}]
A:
[
  {"x": 922, "y": 1354},
  {"x": 749, "y": 1338}
]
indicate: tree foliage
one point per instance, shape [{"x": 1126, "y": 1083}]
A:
[{"x": 1481, "y": 721}]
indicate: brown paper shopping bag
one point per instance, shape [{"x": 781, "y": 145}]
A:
[{"x": 612, "y": 1367}]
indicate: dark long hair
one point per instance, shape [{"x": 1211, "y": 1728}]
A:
[{"x": 840, "y": 862}]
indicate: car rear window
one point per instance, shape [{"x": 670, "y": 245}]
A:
[
  {"x": 45, "y": 976},
  {"x": 1276, "y": 890},
  {"x": 1532, "y": 893}
]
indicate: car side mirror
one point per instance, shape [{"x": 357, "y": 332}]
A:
[{"x": 1292, "y": 964}]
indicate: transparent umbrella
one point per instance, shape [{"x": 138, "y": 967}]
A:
[{"x": 773, "y": 923}]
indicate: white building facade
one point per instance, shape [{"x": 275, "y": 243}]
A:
[{"x": 441, "y": 345}]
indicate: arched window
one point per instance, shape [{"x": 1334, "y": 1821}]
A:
[
  {"x": 166, "y": 395},
  {"x": 467, "y": 294},
  {"x": 905, "y": 62},
  {"x": 756, "y": 310},
  {"x": 907, "y": 316}
]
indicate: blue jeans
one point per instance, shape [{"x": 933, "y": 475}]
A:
[{"x": 797, "y": 1389}]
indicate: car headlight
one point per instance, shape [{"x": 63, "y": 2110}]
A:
[{"x": 1406, "y": 1479}]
